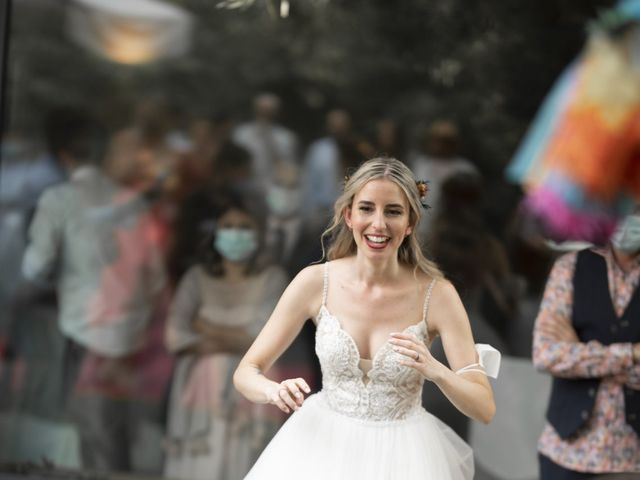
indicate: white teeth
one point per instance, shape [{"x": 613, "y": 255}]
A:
[{"x": 376, "y": 239}]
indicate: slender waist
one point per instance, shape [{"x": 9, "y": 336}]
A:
[{"x": 369, "y": 416}]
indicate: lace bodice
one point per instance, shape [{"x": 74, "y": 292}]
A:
[{"x": 389, "y": 391}]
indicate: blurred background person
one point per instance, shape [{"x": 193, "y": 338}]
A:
[
  {"x": 229, "y": 173},
  {"x": 388, "y": 139},
  {"x": 31, "y": 384},
  {"x": 472, "y": 257},
  {"x": 437, "y": 159},
  {"x": 531, "y": 257},
  {"x": 267, "y": 141},
  {"x": 25, "y": 173},
  {"x": 327, "y": 161},
  {"x": 95, "y": 242},
  {"x": 211, "y": 146},
  {"x": 143, "y": 158},
  {"x": 588, "y": 338},
  {"x": 289, "y": 240},
  {"x": 293, "y": 244},
  {"x": 475, "y": 262},
  {"x": 141, "y": 153},
  {"x": 220, "y": 306}
]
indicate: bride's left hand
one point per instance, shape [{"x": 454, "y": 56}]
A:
[{"x": 418, "y": 355}]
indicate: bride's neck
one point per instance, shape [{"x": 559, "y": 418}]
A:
[{"x": 376, "y": 273}]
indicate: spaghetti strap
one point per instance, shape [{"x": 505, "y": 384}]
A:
[
  {"x": 425, "y": 308},
  {"x": 325, "y": 286}
]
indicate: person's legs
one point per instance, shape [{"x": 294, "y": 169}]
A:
[
  {"x": 145, "y": 433},
  {"x": 103, "y": 426}
]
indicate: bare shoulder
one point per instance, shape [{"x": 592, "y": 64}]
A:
[
  {"x": 446, "y": 308},
  {"x": 445, "y": 292},
  {"x": 309, "y": 284},
  {"x": 311, "y": 276}
]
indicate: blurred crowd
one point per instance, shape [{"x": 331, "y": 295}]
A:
[{"x": 139, "y": 264}]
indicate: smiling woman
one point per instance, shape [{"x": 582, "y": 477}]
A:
[
  {"x": 377, "y": 304},
  {"x": 400, "y": 197},
  {"x": 170, "y": 83},
  {"x": 380, "y": 218}
]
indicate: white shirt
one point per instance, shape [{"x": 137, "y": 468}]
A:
[
  {"x": 322, "y": 180},
  {"x": 267, "y": 144},
  {"x": 103, "y": 252}
]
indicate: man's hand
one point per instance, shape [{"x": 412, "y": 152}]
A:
[{"x": 561, "y": 331}]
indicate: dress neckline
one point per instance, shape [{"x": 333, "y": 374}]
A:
[
  {"x": 325, "y": 310},
  {"x": 386, "y": 345}
]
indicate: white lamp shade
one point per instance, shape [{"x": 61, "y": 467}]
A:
[{"x": 130, "y": 31}]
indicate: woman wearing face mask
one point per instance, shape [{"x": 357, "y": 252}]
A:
[
  {"x": 587, "y": 336},
  {"x": 219, "y": 308}
]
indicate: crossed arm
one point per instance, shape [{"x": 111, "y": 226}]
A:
[
  {"x": 186, "y": 332},
  {"x": 557, "y": 348}
]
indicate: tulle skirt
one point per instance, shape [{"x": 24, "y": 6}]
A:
[{"x": 319, "y": 443}]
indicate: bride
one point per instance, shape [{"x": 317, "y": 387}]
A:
[{"x": 377, "y": 304}]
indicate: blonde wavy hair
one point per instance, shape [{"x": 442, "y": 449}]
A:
[{"x": 341, "y": 238}]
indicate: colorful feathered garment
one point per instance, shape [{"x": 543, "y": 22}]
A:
[{"x": 580, "y": 160}]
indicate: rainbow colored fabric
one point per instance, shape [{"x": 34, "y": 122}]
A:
[{"x": 580, "y": 160}]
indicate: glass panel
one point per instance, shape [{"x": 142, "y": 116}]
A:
[{"x": 167, "y": 167}]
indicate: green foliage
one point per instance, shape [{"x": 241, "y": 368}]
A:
[{"x": 486, "y": 65}]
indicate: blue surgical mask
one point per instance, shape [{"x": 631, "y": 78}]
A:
[
  {"x": 236, "y": 244},
  {"x": 626, "y": 238}
]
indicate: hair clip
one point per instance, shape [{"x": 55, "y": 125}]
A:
[{"x": 423, "y": 190}]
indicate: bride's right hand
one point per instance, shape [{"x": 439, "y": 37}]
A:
[{"x": 288, "y": 395}]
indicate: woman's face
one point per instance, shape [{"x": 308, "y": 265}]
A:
[{"x": 379, "y": 218}]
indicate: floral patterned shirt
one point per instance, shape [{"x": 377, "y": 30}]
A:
[{"x": 606, "y": 443}]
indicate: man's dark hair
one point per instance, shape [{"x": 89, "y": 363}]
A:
[{"x": 72, "y": 132}]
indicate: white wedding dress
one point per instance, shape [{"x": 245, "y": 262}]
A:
[{"x": 364, "y": 425}]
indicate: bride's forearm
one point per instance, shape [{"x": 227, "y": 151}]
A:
[
  {"x": 251, "y": 383},
  {"x": 471, "y": 398}
]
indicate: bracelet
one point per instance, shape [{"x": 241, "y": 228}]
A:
[{"x": 474, "y": 367}]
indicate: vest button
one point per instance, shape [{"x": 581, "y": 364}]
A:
[
  {"x": 614, "y": 328},
  {"x": 592, "y": 392},
  {"x": 632, "y": 417},
  {"x": 630, "y": 392},
  {"x": 584, "y": 414}
]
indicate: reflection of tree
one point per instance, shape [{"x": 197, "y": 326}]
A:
[{"x": 483, "y": 64}]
